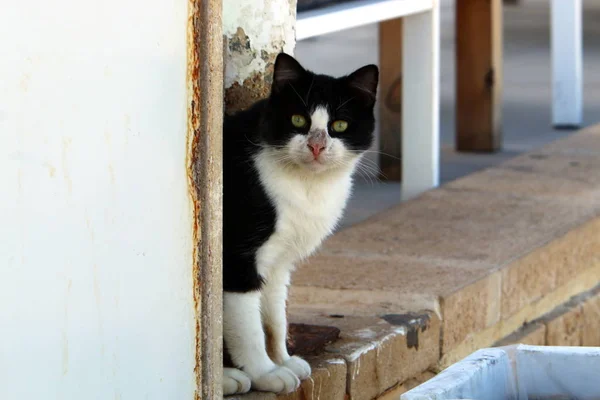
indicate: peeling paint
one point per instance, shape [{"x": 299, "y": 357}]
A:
[
  {"x": 358, "y": 351},
  {"x": 365, "y": 333},
  {"x": 255, "y": 32}
]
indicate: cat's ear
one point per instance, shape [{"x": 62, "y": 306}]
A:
[
  {"x": 364, "y": 80},
  {"x": 287, "y": 70}
]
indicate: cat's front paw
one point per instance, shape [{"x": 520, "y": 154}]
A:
[
  {"x": 298, "y": 366},
  {"x": 279, "y": 380},
  {"x": 235, "y": 381}
]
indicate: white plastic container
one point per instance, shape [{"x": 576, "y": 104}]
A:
[{"x": 518, "y": 372}]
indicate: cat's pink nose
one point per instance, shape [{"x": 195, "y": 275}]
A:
[{"x": 316, "y": 148}]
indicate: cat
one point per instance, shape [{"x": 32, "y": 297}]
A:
[{"x": 288, "y": 163}]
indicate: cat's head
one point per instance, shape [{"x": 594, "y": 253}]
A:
[{"x": 317, "y": 122}]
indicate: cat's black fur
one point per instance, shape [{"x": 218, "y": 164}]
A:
[{"x": 249, "y": 215}]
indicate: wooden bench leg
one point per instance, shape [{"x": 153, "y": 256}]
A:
[
  {"x": 390, "y": 100},
  {"x": 478, "y": 75},
  {"x": 567, "y": 54},
  {"x": 420, "y": 103}
]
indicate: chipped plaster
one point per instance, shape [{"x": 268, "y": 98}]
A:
[{"x": 256, "y": 30}]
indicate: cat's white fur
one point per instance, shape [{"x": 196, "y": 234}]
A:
[
  {"x": 319, "y": 119},
  {"x": 309, "y": 197}
]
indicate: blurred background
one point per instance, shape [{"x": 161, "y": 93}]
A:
[{"x": 527, "y": 97}]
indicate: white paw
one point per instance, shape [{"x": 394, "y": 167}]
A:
[
  {"x": 235, "y": 381},
  {"x": 279, "y": 380},
  {"x": 298, "y": 367}
]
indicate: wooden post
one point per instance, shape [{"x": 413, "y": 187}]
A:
[
  {"x": 478, "y": 75},
  {"x": 390, "y": 100}
]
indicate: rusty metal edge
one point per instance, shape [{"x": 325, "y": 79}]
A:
[{"x": 204, "y": 168}]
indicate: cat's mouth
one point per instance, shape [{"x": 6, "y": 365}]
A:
[
  {"x": 313, "y": 162},
  {"x": 316, "y": 164}
]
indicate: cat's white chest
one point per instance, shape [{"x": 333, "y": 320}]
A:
[{"x": 308, "y": 209}]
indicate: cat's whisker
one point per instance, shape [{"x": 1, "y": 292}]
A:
[
  {"x": 367, "y": 177},
  {"x": 370, "y": 163},
  {"x": 298, "y": 94},
  {"x": 270, "y": 146},
  {"x": 346, "y": 102},
  {"x": 309, "y": 89},
  {"x": 376, "y": 152},
  {"x": 370, "y": 170},
  {"x": 366, "y": 161},
  {"x": 367, "y": 172},
  {"x": 251, "y": 142}
]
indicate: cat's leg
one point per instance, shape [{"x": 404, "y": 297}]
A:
[
  {"x": 245, "y": 341},
  {"x": 235, "y": 381},
  {"x": 273, "y": 307}
]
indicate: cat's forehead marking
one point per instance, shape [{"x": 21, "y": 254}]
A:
[{"x": 319, "y": 119}]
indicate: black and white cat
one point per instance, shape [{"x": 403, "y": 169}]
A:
[{"x": 288, "y": 165}]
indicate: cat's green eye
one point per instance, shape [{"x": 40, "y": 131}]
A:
[
  {"x": 339, "y": 126},
  {"x": 298, "y": 121}
]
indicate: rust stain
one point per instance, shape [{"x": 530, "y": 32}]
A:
[
  {"x": 51, "y": 169},
  {"x": 204, "y": 170},
  {"x": 24, "y": 82},
  {"x": 193, "y": 124}
]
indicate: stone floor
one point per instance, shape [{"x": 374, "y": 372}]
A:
[{"x": 527, "y": 92}]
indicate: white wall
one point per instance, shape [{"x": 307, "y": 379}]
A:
[{"x": 95, "y": 218}]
